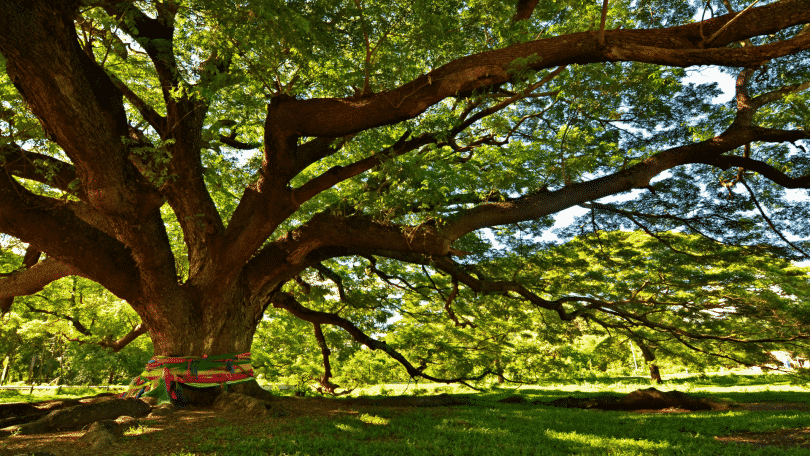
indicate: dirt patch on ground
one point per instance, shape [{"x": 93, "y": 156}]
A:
[
  {"x": 786, "y": 438},
  {"x": 643, "y": 399},
  {"x": 173, "y": 432}
]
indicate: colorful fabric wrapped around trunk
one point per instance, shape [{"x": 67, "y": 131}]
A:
[{"x": 164, "y": 375}]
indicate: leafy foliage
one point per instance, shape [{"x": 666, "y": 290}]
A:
[{"x": 421, "y": 236}]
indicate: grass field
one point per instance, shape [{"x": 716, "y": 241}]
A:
[{"x": 487, "y": 427}]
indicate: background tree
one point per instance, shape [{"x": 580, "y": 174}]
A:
[{"x": 368, "y": 136}]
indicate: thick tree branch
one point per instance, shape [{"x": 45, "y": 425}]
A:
[
  {"x": 340, "y": 173},
  {"x": 32, "y": 280},
  {"x": 677, "y": 46},
  {"x": 30, "y": 258},
  {"x": 289, "y": 119},
  {"x": 188, "y": 197},
  {"x": 525, "y": 8},
  {"x": 155, "y": 36},
  {"x": 327, "y": 230},
  {"x": 41, "y": 168},
  {"x": 76, "y": 101},
  {"x": 50, "y": 227},
  {"x": 741, "y": 57}
]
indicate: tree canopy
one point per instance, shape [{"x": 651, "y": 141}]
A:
[{"x": 386, "y": 171}]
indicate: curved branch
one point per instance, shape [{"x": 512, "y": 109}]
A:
[
  {"x": 764, "y": 169},
  {"x": 325, "y": 381},
  {"x": 115, "y": 345},
  {"x": 768, "y": 220},
  {"x": 338, "y": 174},
  {"x": 774, "y": 95},
  {"x": 319, "y": 148},
  {"x": 327, "y": 236},
  {"x": 290, "y": 304},
  {"x": 155, "y": 36},
  {"x": 741, "y": 57},
  {"x": 32, "y": 280},
  {"x": 334, "y": 277},
  {"x": 49, "y": 226},
  {"x": 676, "y": 46},
  {"x": 537, "y": 205},
  {"x": 148, "y": 113},
  {"x": 449, "y": 310},
  {"x": 74, "y": 321},
  {"x": 230, "y": 141},
  {"x": 29, "y": 165},
  {"x": 29, "y": 260}
]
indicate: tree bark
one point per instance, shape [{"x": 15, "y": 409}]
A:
[
  {"x": 649, "y": 356},
  {"x": 655, "y": 375}
]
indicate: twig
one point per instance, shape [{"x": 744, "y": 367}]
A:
[
  {"x": 768, "y": 220},
  {"x": 602, "y": 22},
  {"x": 717, "y": 33}
]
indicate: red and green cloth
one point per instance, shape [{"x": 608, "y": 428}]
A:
[{"x": 205, "y": 371}]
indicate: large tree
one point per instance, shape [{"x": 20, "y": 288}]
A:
[{"x": 364, "y": 135}]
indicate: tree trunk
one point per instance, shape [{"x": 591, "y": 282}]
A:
[
  {"x": 6, "y": 362},
  {"x": 31, "y": 369},
  {"x": 219, "y": 324},
  {"x": 655, "y": 374},
  {"x": 649, "y": 357},
  {"x": 499, "y": 371}
]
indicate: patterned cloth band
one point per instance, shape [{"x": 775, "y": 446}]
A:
[{"x": 190, "y": 370}]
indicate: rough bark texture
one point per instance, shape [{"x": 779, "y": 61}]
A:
[{"x": 655, "y": 374}]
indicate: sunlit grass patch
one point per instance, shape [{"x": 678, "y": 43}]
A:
[
  {"x": 625, "y": 445},
  {"x": 371, "y": 419}
]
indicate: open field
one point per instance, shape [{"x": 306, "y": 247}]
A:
[{"x": 309, "y": 426}]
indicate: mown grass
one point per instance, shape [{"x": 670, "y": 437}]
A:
[
  {"x": 496, "y": 429},
  {"x": 487, "y": 427},
  {"x": 23, "y": 395}
]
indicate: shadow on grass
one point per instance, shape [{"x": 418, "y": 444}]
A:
[{"x": 492, "y": 428}]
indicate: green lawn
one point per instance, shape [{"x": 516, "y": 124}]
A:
[{"x": 490, "y": 428}]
